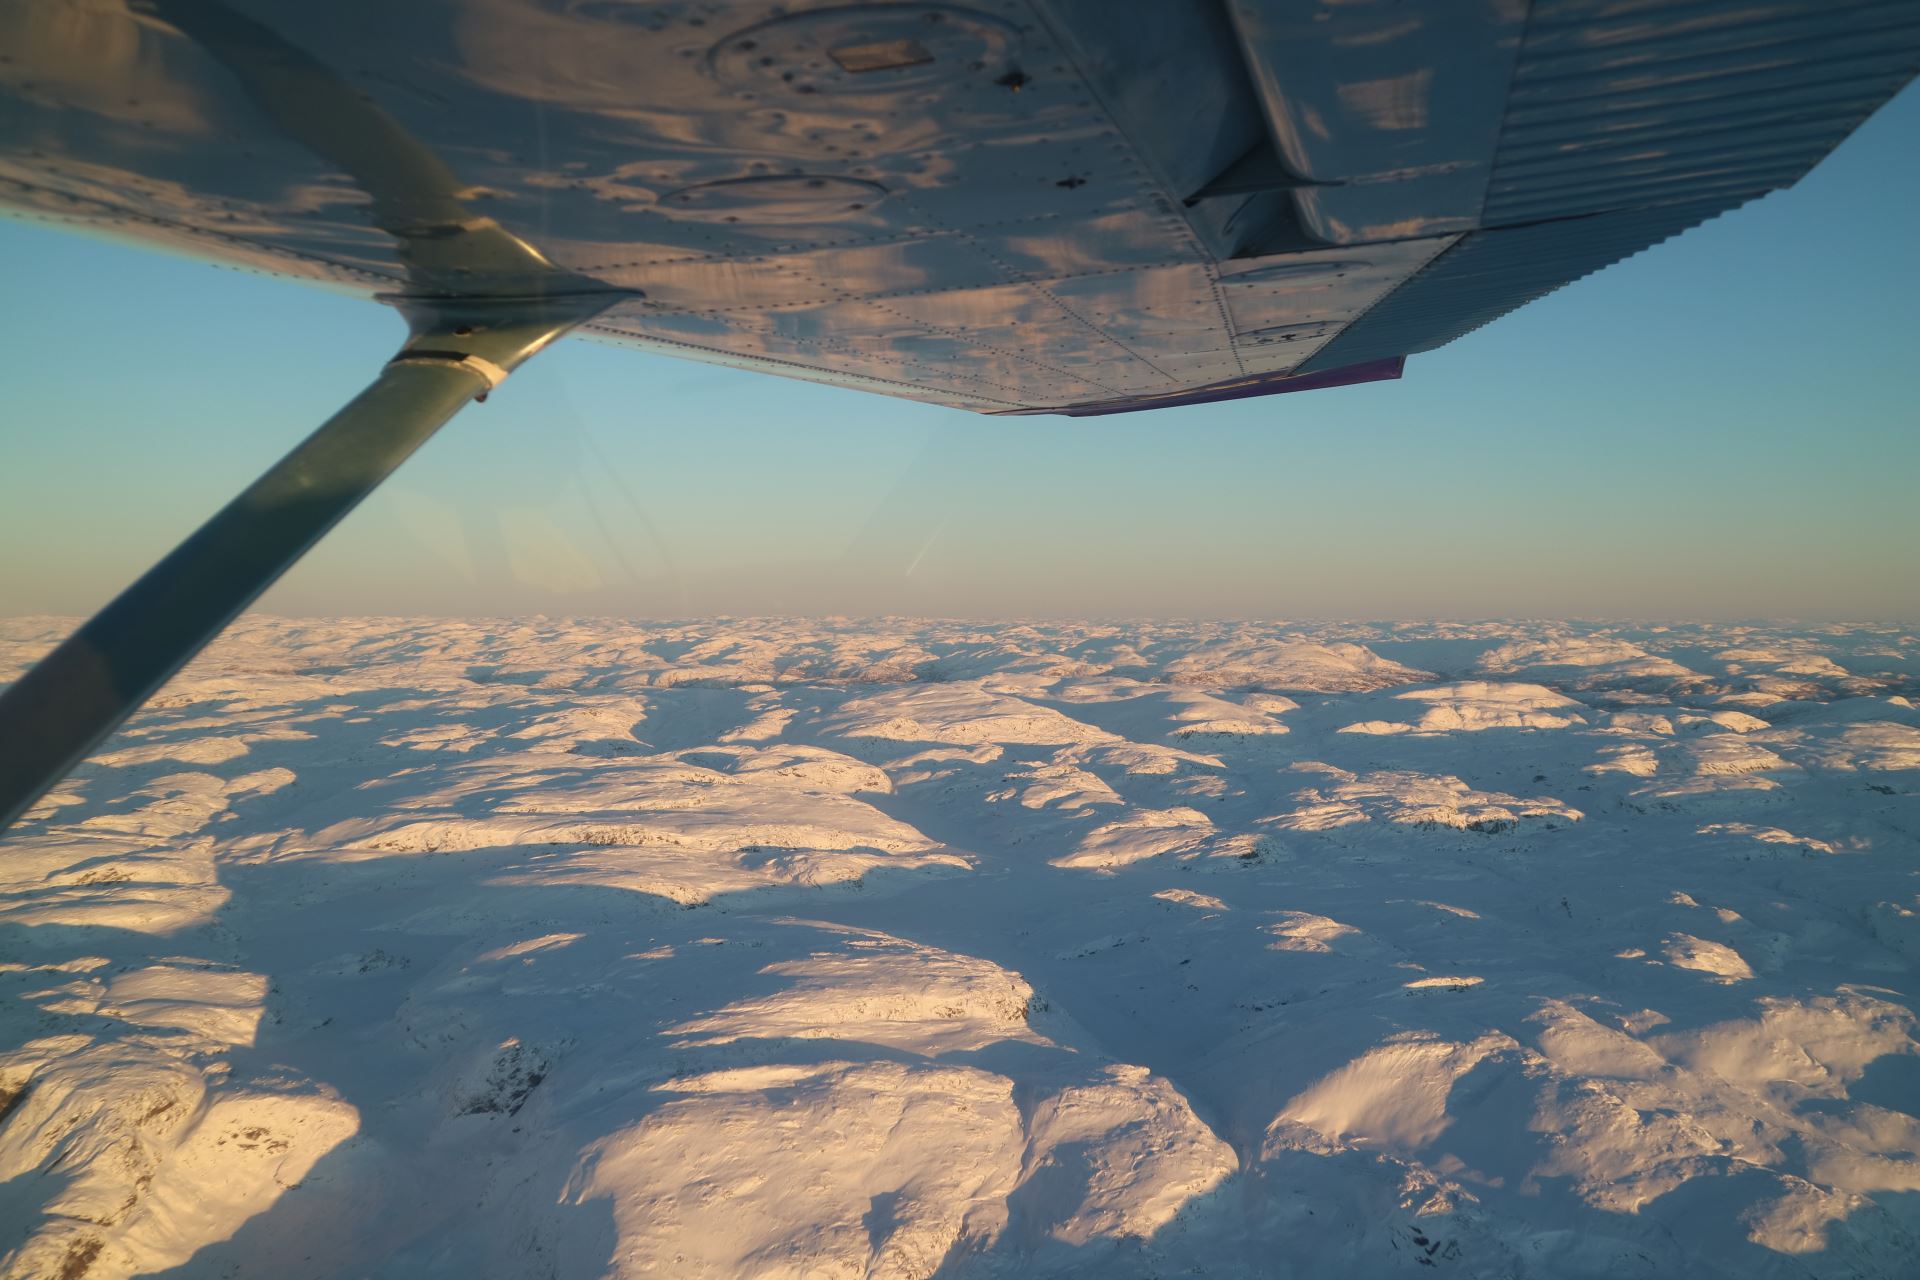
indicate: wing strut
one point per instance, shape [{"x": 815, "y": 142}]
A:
[{"x": 459, "y": 350}]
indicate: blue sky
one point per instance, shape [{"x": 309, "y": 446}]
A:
[{"x": 1727, "y": 425}]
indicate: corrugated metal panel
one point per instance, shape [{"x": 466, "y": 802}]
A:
[
  {"x": 1489, "y": 273},
  {"x": 1630, "y": 121},
  {"x": 1620, "y": 104}
]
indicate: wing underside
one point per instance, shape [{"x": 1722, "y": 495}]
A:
[{"x": 1003, "y": 205}]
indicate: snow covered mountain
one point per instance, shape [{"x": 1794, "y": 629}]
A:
[{"x": 900, "y": 949}]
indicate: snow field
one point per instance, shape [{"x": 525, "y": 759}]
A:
[{"x": 796, "y": 948}]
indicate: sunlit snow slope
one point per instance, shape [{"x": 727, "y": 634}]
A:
[{"x": 767, "y": 948}]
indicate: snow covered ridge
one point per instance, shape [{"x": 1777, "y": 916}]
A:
[{"x": 902, "y": 948}]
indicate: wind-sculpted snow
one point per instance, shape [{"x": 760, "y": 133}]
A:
[
  {"x": 1264, "y": 663},
  {"x": 901, "y": 949},
  {"x": 1476, "y": 704}
]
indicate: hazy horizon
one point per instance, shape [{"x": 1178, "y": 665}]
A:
[{"x": 1117, "y": 620}]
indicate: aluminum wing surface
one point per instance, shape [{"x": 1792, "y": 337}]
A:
[{"x": 1079, "y": 206}]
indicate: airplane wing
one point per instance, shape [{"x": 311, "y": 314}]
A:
[{"x": 1080, "y": 206}]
